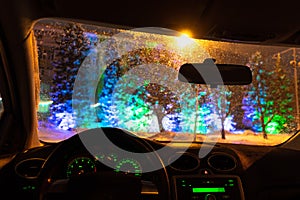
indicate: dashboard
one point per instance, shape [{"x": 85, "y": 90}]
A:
[{"x": 69, "y": 169}]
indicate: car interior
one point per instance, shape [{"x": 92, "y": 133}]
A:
[{"x": 147, "y": 100}]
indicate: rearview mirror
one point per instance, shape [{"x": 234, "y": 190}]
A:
[{"x": 210, "y": 73}]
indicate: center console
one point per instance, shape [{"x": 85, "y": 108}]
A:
[{"x": 209, "y": 187}]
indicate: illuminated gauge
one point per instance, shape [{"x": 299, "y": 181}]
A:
[
  {"x": 111, "y": 158},
  {"x": 80, "y": 165},
  {"x": 129, "y": 165}
]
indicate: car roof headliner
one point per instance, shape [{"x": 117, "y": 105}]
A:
[{"x": 252, "y": 21}]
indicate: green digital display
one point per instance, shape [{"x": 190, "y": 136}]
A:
[{"x": 208, "y": 190}]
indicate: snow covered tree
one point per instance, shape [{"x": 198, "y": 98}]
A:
[
  {"x": 225, "y": 99},
  {"x": 203, "y": 112},
  {"x": 72, "y": 48},
  {"x": 114, "y": 100},
  {"x": 269, "y": 95},
  {"x": 160, "y": 100}
]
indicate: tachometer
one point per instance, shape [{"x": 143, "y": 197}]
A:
[
  {"x": 80, "y": 165},
  {"x": 107, "y": 159},
  {"x": 129, "y": 165}
]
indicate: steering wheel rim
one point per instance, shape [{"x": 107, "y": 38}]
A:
[{"x": 115, "y": 135}]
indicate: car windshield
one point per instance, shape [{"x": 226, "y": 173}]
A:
[{"x": 99, "y": 75}]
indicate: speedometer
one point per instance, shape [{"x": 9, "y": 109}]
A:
[
  {"x": 80, "y": 165},
  {"x": 129, "y": 165}
]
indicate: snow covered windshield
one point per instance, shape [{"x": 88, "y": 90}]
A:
[{"x": 102, "y": 76}]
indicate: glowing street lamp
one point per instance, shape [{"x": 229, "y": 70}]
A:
[{"x": 184, "y": 40}]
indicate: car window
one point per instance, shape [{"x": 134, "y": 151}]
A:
[{"x": 103, "y": 76}]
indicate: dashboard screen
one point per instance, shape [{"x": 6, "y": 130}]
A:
[{"x": 216, "y": 187}]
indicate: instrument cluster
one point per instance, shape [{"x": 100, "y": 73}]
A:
[{"x": 83, "y": 164}]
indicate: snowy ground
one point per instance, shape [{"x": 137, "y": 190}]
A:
[
  {"x": 255, "y": 139},
  {"x": 252, "y": 139},
  {"x": 49, "y": 135}
]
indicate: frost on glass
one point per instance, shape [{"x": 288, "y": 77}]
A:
[{"x": 95, "y": 76}]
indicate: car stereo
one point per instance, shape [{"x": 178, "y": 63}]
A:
[{"x": 208, "y": 187}]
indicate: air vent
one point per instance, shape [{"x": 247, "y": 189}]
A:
[
  {"x": 186, "y": 162},
  {"x": 29, "y": 168},
  {"x": 222, "y": 162}
]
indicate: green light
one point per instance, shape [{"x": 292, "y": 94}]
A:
[
  {"x": 230, "y": 181},
  {"x": 28, "y": 187},
  {"x": 206, "y": 190},
  {"x": 44, "y": 106}
]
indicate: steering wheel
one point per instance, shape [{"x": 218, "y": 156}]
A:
[{"x": 106, "y": 184}]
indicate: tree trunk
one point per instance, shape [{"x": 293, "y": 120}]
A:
[
  {"x": 223, "y": 131},
  {"x": 160, "y": 116},
  {"x": 223, "y": 128},
  {"x": 264, "y": 131},
  {"x": 263, "y": 127}
]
